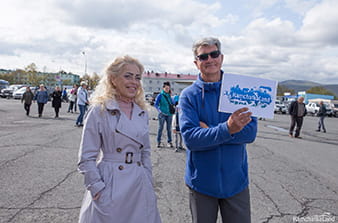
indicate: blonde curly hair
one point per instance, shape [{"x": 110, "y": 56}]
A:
[{"x": 106, "y": 90}]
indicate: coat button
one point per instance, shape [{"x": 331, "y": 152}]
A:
[
  {"x": 141, "y": 146},
  {"x": 118, "y": 150},
  {"x": 121, "y": 167},
  {"x": 138, "y": 163}
]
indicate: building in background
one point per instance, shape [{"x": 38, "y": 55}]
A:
[
  {"x": 48, "y": 79},
  {"x": 309, "y": 96},
  {"x": 153, "y": 82}
]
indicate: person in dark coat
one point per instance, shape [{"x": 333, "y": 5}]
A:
[
  {"x": 321, "y": 114},
  {"x": 56, "y": 100},
  {"x": 27, "y": 97},
  {"x": 297, "y": 111}
]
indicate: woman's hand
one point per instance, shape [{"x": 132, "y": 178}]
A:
[{"x": 97, "y": 196}]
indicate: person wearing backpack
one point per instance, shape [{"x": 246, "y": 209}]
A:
[{"x": 165, "y": 108}]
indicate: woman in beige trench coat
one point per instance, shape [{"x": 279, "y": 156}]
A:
[{"x": 114, "y": 153}]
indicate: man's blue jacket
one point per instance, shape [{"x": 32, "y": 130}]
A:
[{"x": 216, "y": 162}]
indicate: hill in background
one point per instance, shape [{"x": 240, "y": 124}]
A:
[{"x": 301, "y": 85}]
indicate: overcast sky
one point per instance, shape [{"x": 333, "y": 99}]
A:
[{"x": 275, "y": 39}]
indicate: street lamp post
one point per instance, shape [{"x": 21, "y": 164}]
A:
[{"x": 85, "y": 56}]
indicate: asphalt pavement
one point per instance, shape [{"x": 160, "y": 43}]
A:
[{"x": 290, "y": 179}]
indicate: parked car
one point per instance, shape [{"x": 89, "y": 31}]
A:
[
  {"x": 148, "y": 97},
  {"x": 19, "y": 92},
  {"x": 280, "y": 107},
  {"x": 3, "y": 84},
  {"x": 335, "y": 109},
  {"x": 152, "y": 101},
  {"x": 8, "y": 92},
  {"x": 313, "y": 108}
]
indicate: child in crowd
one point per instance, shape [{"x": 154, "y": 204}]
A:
[{"x": 176, "y": 126}]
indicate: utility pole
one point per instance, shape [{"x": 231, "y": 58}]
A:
[{"x": 85, "y": 56}]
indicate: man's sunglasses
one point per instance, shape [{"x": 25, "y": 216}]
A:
[{"x": 205, "y": 56}]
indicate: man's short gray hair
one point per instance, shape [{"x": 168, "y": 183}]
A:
[{"x": 207, "y": 41}]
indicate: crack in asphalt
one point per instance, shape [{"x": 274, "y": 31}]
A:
[
  {"x": 270, "y": 217},
  {"x": 312, "y": 137},
  {"x": 40, "y": 147},
  {"x": 27, "y": 207},
  {"x": 268, "y": 154},
  {"x": 3, "y": 164},
  {"x": 310, "y": 174},
  {"x": 305, "y": 205}
]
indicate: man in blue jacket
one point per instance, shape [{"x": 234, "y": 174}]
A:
[{"x": 216, "y": 165}]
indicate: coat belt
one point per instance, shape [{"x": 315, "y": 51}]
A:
[{"x": 128, "y": 158}]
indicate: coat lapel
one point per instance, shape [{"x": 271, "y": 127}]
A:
[{"x": 134, "y": 128}]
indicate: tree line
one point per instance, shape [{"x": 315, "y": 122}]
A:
[{"x": 31, "y": 76}]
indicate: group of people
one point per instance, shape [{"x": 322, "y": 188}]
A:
[
  {"x": 297, "y": 111},
  {"x": 78, "y": 97},
  {"x": 115, "y": 148},
  {"x": 41, "y": 98}
]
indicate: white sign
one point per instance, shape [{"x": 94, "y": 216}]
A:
[{"x": 240, "y": 91}]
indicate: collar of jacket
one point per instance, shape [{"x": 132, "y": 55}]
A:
[
  {"x": 165, "y": 93},
  {"x": 208, "y": 86},
  {"x": 112, "y": 105}
]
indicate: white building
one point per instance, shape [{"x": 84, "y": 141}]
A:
[{"x": 153, "y": 82}]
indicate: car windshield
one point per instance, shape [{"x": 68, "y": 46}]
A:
[{"x": 21, "y": 90}]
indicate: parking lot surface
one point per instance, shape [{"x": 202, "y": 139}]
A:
[{"x": 290, "y": 178}]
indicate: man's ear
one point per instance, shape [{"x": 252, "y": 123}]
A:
[
  {"x": 222, "y": 58},
  {"x": 195, "y": 62}
]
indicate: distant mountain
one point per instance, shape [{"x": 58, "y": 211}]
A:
[
  {"x": 333, "y": 88},
  {"x": 301, "y": 85}
]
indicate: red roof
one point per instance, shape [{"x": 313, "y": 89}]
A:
[{"x": 170, "y": 76}]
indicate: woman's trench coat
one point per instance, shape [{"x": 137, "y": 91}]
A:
[{"x": 123, "y": 174}]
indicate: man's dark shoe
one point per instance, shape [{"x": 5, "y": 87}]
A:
[
  {"x": 298, "y": 137},
  {"x": 318, "y": 130}
]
